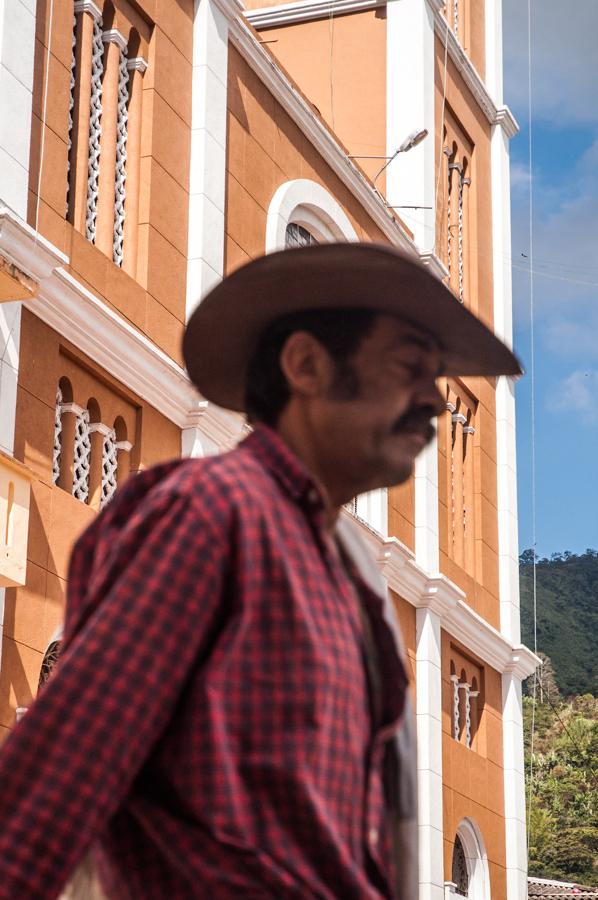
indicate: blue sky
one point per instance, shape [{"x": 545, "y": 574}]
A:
[{"x": 565, "y": 244}]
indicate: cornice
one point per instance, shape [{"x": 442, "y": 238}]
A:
[
  {"x": 114, "y": 36},
  {"x": 90, "y": 7},
  {"x": 496, "y": 115},
  {"x": 246, "y": 41},
  {"x": 444, "y": 598},
  {"x": 306, "y": 11},
  {"x": 26, "y": 249},
  {"x": 435, "y": 264},
  {"x": 137, "y": 64},
  {"x": 523, "y": 662}
]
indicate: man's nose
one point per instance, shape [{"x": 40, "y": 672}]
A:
[{"x": 430, "y": 395}]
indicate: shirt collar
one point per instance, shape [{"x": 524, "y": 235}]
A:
[{"x": 284, "y": 465}]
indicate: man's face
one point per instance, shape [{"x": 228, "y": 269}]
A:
[{"x": 372, "y": 424}]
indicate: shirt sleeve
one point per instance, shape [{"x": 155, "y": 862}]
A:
[{"x": 68, "y": 765}]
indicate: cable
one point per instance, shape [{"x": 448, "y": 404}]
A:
[
  {"x": 533, "y": 412},
  {"x": 43, "y": 123}
]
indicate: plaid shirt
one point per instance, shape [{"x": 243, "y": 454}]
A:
[{"x": 210, "y": 724}]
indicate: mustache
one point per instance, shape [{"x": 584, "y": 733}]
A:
[{"x": 417, "y": 419}]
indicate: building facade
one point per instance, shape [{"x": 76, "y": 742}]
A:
[{"x": 147, "y": 148}]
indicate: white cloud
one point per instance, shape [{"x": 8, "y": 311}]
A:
[
  {"x": 564, "y": 59},
  {"x": 565, "y": 244},
  {"x": 577, "y": 395},
  {"x": 519, "y": 177}
]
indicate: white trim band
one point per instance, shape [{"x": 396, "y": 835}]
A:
[{"x": 306, "y": 11}]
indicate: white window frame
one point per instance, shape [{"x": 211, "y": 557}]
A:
[
  {"x": 477, "y": 862},
  {"x": 309, "y": 204}
]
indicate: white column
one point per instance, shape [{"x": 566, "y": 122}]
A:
[
  {"x": 409, "y": 106},
  {"x": 429, "y": 754},
  {"x": 514, "y": 773},
  {"x": 208, "y": 152},
  {"x": 17, "y": 46},
  {"x": 506, "y": 473},
  {"x": 426, "y": 509}
]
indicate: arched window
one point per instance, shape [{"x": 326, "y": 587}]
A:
[
  {"x": 298, "y": 236},
  {"x": 301, "y": 212},
  {"x": 64, "y": 397},
  {"x": 469, "y": 873},
  {"x": 50, "y": 659},
  {"x": 460, "y": 875}
]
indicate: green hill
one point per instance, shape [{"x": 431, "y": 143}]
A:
[{"x": 567, "y": 616}]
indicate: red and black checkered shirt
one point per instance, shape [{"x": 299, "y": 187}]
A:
[{"x": 210, "y": 727}]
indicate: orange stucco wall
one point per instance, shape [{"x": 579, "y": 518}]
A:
[
  {"x": 340, "y": 64},
  {"x": 33, "y": 612},
  {"x": 264, "y": 150},
  {"x": 473, "y": 781}
]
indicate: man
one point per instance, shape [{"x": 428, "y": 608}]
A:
[{"x": 229, "y": 717}]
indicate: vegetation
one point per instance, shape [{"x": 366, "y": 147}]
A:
[
  {"x": 563, "y": 821},
  {"x": 567, "y": 616},
  {"x": 562, "y": 770}
]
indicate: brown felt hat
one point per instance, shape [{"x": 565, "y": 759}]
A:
[{"x": 222, "y": 333}]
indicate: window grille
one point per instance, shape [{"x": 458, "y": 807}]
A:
[
  {"x": 460, "y": 875},
  {"x": 56, "y": 450},
  {"x": 456, "y": 709},
  {"x": 81, "y": 462},
  {"x": 121, "y": 159},
  {"x": 109, "y": 467},
  {"x": 49, "y": 661},
  {"x": 95, "y": 130},
  {"x": 71, "y": 107},
  {"x": 462, "y": 182},
  {"x": 298, "y": 236}
]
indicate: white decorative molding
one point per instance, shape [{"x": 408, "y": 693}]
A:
[
  {"x": 28, "y": 250},
  {"x": 435, "y": 264},
  {"x": 437, "y": 593},
  {"x": 495, "y": 114},
  {"x": 100, "y": 428},
  {"x": 505, "y": 118},
  {"x": 114, "y": 36},
  {"x": 476, "y": 858},
  {"x": 137, "y": 64},
  {"x": 125, "y": 446},
  {"x": 306, "y": 11},
  {"x": 88, "y": 6},
  {"x": 308, "y": 204},
  {"x": 284, "y": 91}
]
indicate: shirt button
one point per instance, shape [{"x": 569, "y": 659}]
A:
[{"x": 373, "y": 836}]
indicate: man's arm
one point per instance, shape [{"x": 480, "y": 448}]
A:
[{"x": 71, "y": 761}]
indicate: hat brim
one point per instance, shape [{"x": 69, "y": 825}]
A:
[{"x": 223, "y": 332}]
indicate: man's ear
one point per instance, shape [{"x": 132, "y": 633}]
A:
[{"x": 306, "y": 365}]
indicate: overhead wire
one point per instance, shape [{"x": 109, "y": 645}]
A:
[{"x": 533, "y": 416}]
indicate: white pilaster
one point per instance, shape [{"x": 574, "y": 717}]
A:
[
  {"x": 429, "y": 754},
  {"x": 514, "y": 773},
  {"x": 208, "y": 152},
  {"x": 426, "y": 509},
  {"x": 410, "y": 106},
  {"x": 506, "y": 473}
]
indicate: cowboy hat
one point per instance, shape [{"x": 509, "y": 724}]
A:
[{"x": 222, "y": 333}]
